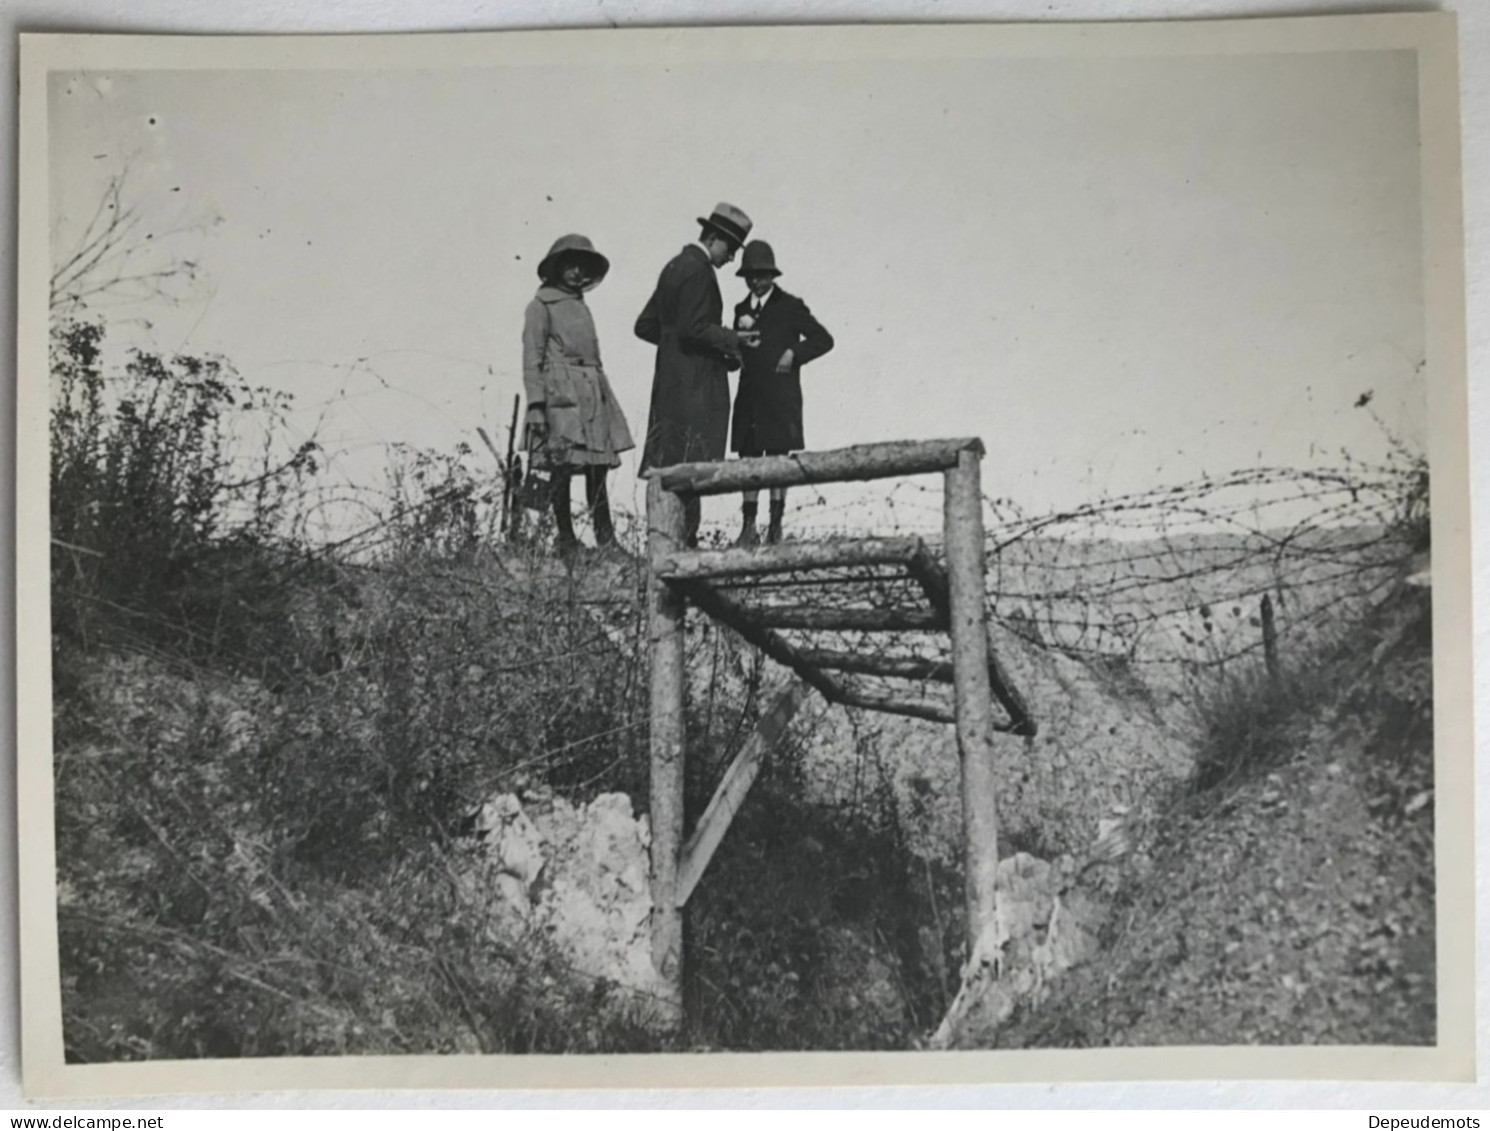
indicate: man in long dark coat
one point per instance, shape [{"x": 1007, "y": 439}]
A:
[
  {"x": 689, "y": 417},
  {"x": 780, "y": 336}
]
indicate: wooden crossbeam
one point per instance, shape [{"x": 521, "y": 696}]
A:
[
  {"x": 733, "y": 787},
  {"x": 871, "y": 663},
  {"x": 1021, "y": 722},
  {"x": 919, "y": 708},
  {"x": 748, "y": 624},
  {"x": 686, "y": 571},
  {"x": 932, "y": 577},
  {"x": 757, "y": 625},
  {"x": 712, "y": 603},
  {"x": 789, "y": 556},
  {"x": 865, "y": 461},
  {"x": 923, "y": 670},
  {"x": 823, "y": 618}
]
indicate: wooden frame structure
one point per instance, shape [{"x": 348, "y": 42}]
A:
[{"x": 954, "y": 603}]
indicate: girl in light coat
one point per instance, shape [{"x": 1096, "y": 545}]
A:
[{"x": 574, "y": 422}]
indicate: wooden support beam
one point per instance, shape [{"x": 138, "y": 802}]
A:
[
  {"x": 932, "y": 577},
  {"x": 963, "y": 518},
  {"x": 789, "y": 556},
  {"x": 806, "y": 663},
  {"x": 714, "y": 604},
  {"x": 734, "y": 786},
  {"x": 665, "y": 622},
  {"x": 865, "y": 461},
  {"x": 870, "y": 663},
  {"x": 1021, "y": 722},
  {"x": 824, "y": 618},
  {"x": 935, "y": 584},
  {"x": 918, "y": 708}
]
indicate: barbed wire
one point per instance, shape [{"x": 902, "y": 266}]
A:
[{"x": 1173, "y": 575}]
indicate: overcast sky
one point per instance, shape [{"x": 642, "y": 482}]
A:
[{"x": 1117, "y": 272}]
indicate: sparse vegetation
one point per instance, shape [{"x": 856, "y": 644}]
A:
[
  {"x": 1247, "y": 712},
  {"x": 1290, "y": 899}
]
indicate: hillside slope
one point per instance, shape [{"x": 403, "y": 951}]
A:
[{"x": 1294, "y": 902}]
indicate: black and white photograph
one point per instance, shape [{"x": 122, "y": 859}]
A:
[{"x": 698, "y": 542}]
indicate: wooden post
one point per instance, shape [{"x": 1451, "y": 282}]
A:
[
  {"x": 1269, "y": 638},
  {"x": 969, "y": 629},
  {"x": 666, "y": 610}
]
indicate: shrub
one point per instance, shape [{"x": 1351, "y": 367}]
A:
[
  {"x": 451, "y": 683},
  {"x": 440, "y": 505},
  {"x": 1249, "y": 717},
  {"x": 184, "y": 933},
  {"x": 162, "y": 529}
]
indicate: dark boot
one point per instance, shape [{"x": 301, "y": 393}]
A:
[
  {"x": 773, "y": 531},
  {"x": 564, "y": 541},
  {"x": 599, "y": 499},
  {"x": 749, "y": 536},
  {"x": 693, "y": 516}
]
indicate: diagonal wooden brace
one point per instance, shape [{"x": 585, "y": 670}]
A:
[
  {"x": 714, "y": 604},
  {"x": 932, "y": 577},
  {"x": 733, "y": 787}
]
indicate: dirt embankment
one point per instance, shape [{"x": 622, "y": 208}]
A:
[{"x": 1289, "y": 905}]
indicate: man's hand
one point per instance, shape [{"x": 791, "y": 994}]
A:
[{"x": 784, "y": 364}]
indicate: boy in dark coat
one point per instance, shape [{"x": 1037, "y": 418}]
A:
[
  {"x": 780, "y": 335},
  {"x": 689, "y": 417}
]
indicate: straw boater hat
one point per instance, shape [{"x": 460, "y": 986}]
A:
[
  {"x": 729, "y": 222},
  {"x": 758, "y": 259},
  {"x": 573, "y": 247}
]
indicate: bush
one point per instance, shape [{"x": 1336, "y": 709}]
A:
[
  {"x": 1248, "y": 719},
  {"x": 450, "y": 684},
  {"x": 185, "y": 932},
  {"x": 441, "y": 506},
  {"x": 162, "y": 531}
]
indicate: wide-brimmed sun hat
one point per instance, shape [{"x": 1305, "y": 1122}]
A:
[
  {"x": 575, "y": 247},
  {"x": 758, "y": 259},
  {"x": 729, "y": 221}
]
